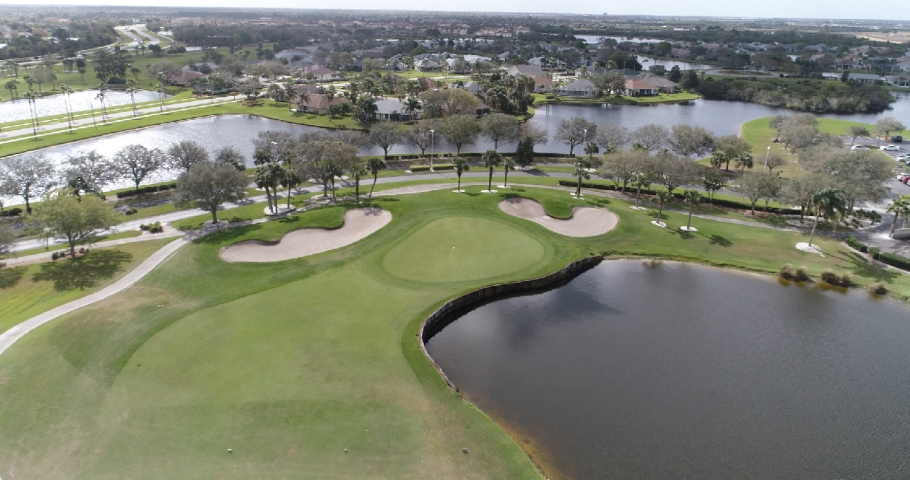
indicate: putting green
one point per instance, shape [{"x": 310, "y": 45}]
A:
[{"x": 459, "y": 249}]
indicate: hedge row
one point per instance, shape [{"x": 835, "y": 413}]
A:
[
  {"x": 151, "y": 189},
  {"x": 426, "y": 168},
  {"x": 13, "y": 212},
  {"x": 898, "y": 261},
  {"x": 716, "y": 201}
]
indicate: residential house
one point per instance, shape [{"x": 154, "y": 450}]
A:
[
  {"x": 527, "y": 70},
  {"x": 542, "y": 84},
  {"x": 392, "y": 109},
  {"x": 867, "y": 78},
  {"x": 661, "y": 83},
  {"x": 639, "y": 88},
  {"x": 482, "y": 109},
  {"x": 898, "y": 80},
  {"x": 427, "y": 65},
  {"x": 319, "y": 72},
  {"x": 318, "y": 103},
  {"x": 473, "y": 87},
  {"x": 578, "y": 88},
  {"x": 183, "y": 78}
]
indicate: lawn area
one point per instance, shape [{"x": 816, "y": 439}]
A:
[
  {"x": 32, "y": 289},
  {"x": 58, "y": 247},
  {"x": 290, "y": 363}
]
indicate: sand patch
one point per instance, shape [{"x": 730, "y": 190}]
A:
[
  {"x": 585, "y": 221},
  {"x": 358, "y": 224}
]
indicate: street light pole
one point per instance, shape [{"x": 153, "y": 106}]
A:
[
  {"x": 768, "y": 153},
  {"x": 584, "y": 139},
  {"x": 432, "y": 147}
]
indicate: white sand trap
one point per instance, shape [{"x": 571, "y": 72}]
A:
[
  {"x": 585, "y": 221},
  {"x": 358, "y": 224}
]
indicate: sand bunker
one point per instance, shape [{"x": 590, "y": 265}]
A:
[
  {"x": 358, "y": 224},
  {"x": 585, "y": 221}
]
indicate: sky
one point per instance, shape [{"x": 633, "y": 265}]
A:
[{"x": 840, "y": 9}]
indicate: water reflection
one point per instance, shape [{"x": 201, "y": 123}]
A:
[
  {"x": 684, "y": 371},
  {"x": 82, "y": 100}
]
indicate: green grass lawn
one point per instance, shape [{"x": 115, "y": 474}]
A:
[
  {"x": 102, "y": 238},
  {"x": 290, "y": 363},
  {"x": 28, "y": 290}
]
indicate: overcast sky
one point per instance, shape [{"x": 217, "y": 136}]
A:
[{"x": 869, "y": 9}]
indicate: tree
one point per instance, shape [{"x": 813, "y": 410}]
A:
[
  {"x": 859, "y": 175},
  {"x": 13, "y": 87},
  {"x": 900, "y": 207},
  {"x": 385, "y": 135},
  {"x": 887, "y": 125},
  {"x": 136, "y": 162},
  {"x": 691, "y": 197},
  {"x": 574, "y": 131},
  {"x": 101, "y": 96},
  {"x": 673, "y": 172},
  {"x": 611, "y": 137},
  {"x": 411, "y": 107},
  {"x": 7, "y": 240},
  {"x": 207, "y": 184},
  {"x": 622, "y": 167},
  {"x": 776, "y": 123},
  {"x": 727, "y": 149},
  {"x": 857, "y": 131},
  {"x": 651, "y": 136},
  {"x": 771, "y": 186},
  {"x": 828, "y": 202},
  {"x": 88, "y": 173},
  {"x": 357, "y": 171},
  {"x": 27, "y": 177},
  {"x": 524, "y": 152},
  {"x": 799, "y": 131},
  {"x": 268, "y": 176},
  {"x": 183, "y": 155},
  {"x": 800, "y": 190},
  {"x": 375, "y": 165},
  {"x": 460, "y": 130},
  {"x": 744, "y": 161},
  {"x": 421, "y": 135},
  {"x": 161, "y": 89},
  {"x": 445, "y": 103},
  {"x": 231, "y": 156},
  {"x": 491, "y": 160},
  {"x": 774, "y": 160},
  {"x": 713, "y": 181},
  {"x": 663, "y": 197},
  {"x": 641, "y": 180},
  {"x": 675, "y": 74},
  {"x": 687, "y": 140},
  {"x": 689, "y": 80},
  {"x": 582, "y": 166},
  {"x": 751, "y": 185},
  {"x": 461, "y": 165},
  {"x": 77, "y": 219},
  {"x": 499, "y": 127}
]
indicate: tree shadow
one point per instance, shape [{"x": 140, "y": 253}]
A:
[
  {"x": 9, "y": 277},
  {"x": 598, "y": 201},
  {"x": 83, "y": 272},
  {"x": 863, "y": 267},
  {"x": 227, "y": 234},
  {"x": 684, "y": 234},
  {"x": 719, "y": 240}
]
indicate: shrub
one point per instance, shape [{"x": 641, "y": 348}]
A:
[
  {"x": 132, "y": 211},
  {"x": 874, "y": 251},
  {"x": 802, "y": 274},
  {"x": 894, "y": 260},
  {"x": 856, "y": 244},
  {"x": 152, "y": 227},
  {"x": 877, "y": 289},
  {"x": 13, "y": 212},
  {"x": 845, "y": 280},
  {"x": 786, "y": 272},
  {"x": 149, "y": 189},
  {"x": 426, "y": 168},
  {"x": 54, "y": 256},
  {"x": 829, "y": 277}
]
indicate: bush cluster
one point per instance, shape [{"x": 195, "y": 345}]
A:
[
  {"x": 898, "y": 261},
  {"x": 150, "y": 189},
  {"x": 13, "y": 212},
  {"x": 64, "y": 253},
  {"x": 132, "y": 211},
  {"x": 877, "y": 289},
  {"x": 152, "y": 227},
  {"x": 787, "y": 272},
  {"x": 832, "y": 278}
]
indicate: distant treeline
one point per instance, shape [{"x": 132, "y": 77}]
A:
[{"x": 821, "y": 96}]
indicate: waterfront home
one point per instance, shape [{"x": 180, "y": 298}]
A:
[
  {"x": 392, "y": 109},
  {"x": 318, "y": 103},
  {"x": 867, "y": 78},
  {"x": 579, "y": 88},
  {"x": 639, "y": 88}
]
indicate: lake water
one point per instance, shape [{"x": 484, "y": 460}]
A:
[
  {"x": 81, "y": 100},
  {"x": 666, "y": 370},
  {"x": 595, "y": 39},
  {"x": 648, "y": 62}
]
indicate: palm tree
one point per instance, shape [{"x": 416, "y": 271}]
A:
[
  {"x": 491, "y": 160},
  {"x": 828, "y": 202},
  {"x": 375, "y": 165},
  {"x": 290, "y": 93},
  {"x": 900, "y": 207},
  {"x": 132, "y": 91},
  {"x": 67, "y": 91},
  {"x": 744, "y": 161},
  {"x": 581, "y": 171},
  {"x": 160, "y": 89},
  {"x": 590, "y": 149},
  {"x": 460, "y": 166},
  {"x": 102, "y": 93},
  {"x": 640, "y": 180},
  {"x": 275, "y": 92},
  {"x": 508, "y": 163},
  {"x": 691, "y": 197},
  {"x": 13, "y": 67},
  {"x": 211, "y": 78},
  {"x": 32, "y": 98},
  {"x": 412, "y": 105},
  {"x": 663, "y": 197},
  {"x": 13, "y": 87},
  {"x": 357, "y": 171}
]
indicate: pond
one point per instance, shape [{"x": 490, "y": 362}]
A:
[
  {"x": 81, "y": 100},
  {"x": 666, "y": 370}
]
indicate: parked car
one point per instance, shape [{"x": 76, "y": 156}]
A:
[
  {"x": 897, "y": 139},
  {"x": 890, "y": 148},
  {"x": 859, "y": 147}
]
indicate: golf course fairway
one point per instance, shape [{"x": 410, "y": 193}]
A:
[{"x": 291, "y": 363}]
